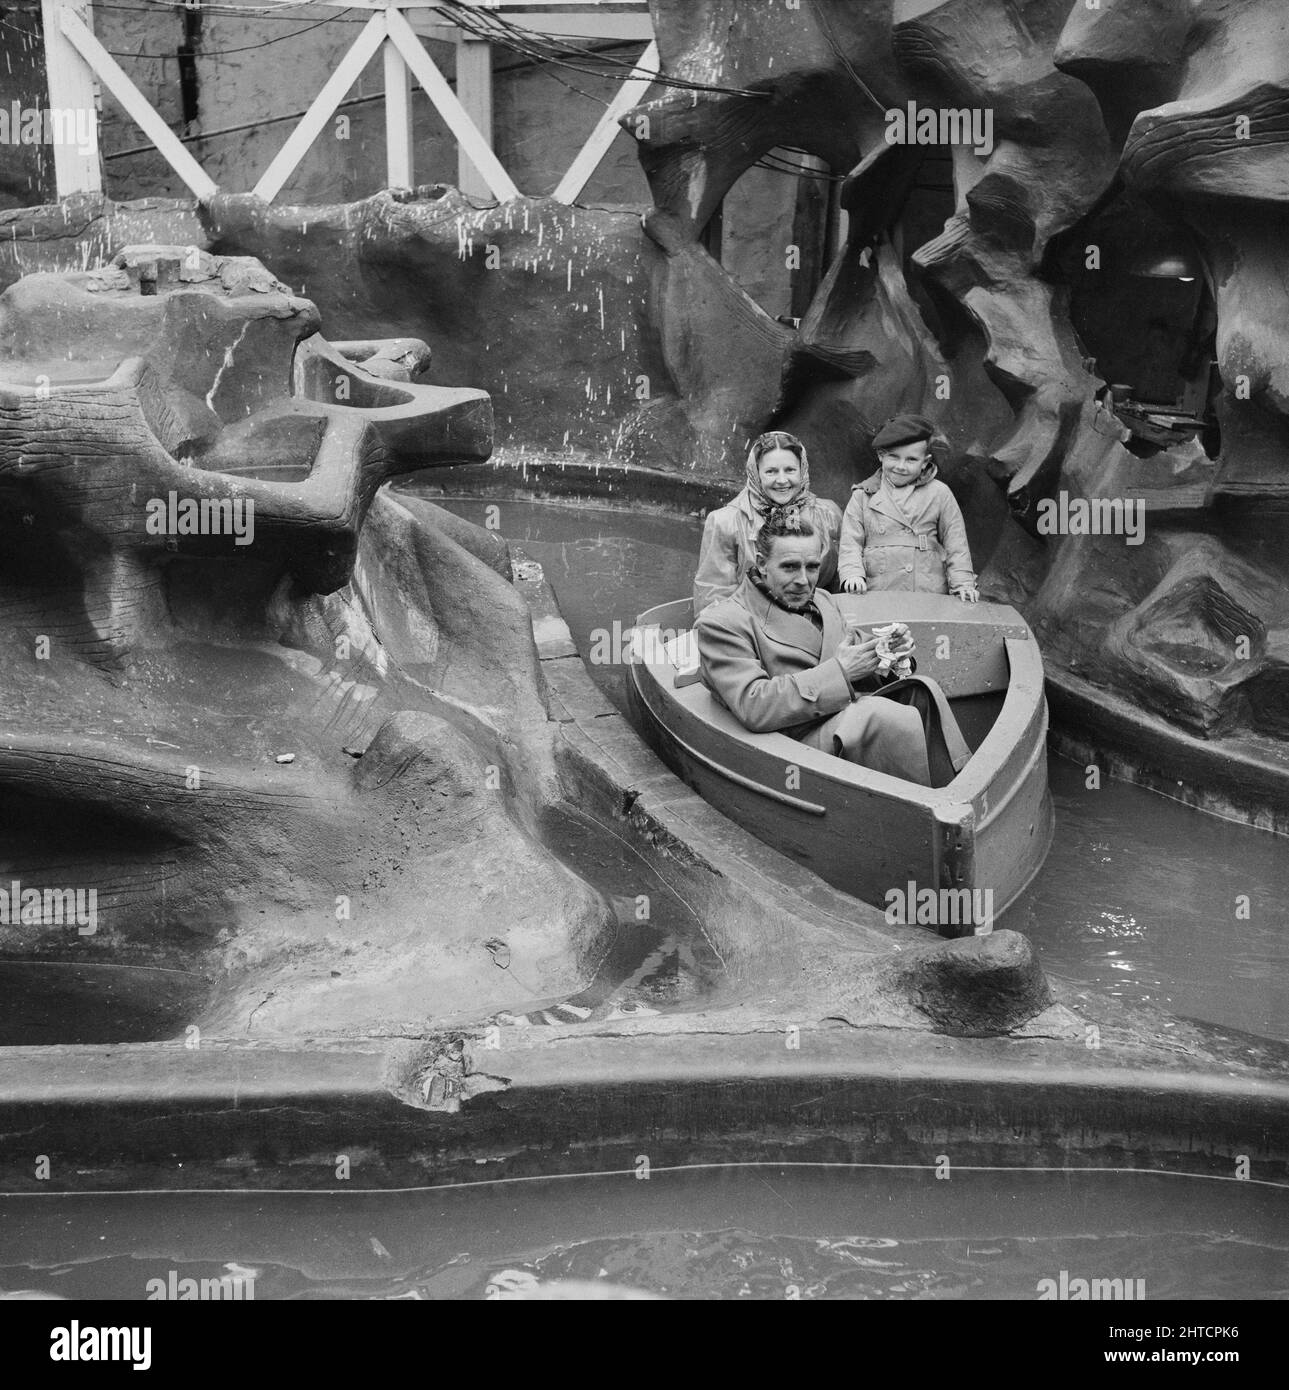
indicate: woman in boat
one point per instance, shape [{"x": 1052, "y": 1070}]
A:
[{"x": 778, "y": 479}]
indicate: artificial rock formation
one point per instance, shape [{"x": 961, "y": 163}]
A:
[
  {"x": 547, "y": 303},
  {"x": 1194, "y": 630},
  {"x": 297, "y": 748},
  {"x": 823, "y": 78},
  {"x": 1111, "y": 131}
]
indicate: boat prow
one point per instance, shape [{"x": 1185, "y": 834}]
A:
[{"x": 975, "y": 843}]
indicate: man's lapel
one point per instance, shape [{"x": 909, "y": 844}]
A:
[{"x": 780, "y": 626}]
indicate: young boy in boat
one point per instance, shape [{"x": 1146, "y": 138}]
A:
[
  {"x": 778, "y": 476},
  {"x": 778, "y": 655},
  {"x": 902, "y": 528}
]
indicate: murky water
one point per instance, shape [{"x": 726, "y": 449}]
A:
[
  {"x": 1140, "y": 896},
  {"x": 724, "y": 1232},
  {"x": 1145, "y": 899}
]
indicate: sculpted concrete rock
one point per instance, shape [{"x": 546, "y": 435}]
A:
[
  {"x": 546, "y": 305},
  {"x": 787, "y": 84},
  {"x": 974, "y": 986},
  {"x": 1207, "y": 647},
  {"x": 88, "y": 229},
  {"x": 591, "y": 331},
  {"x": 977, "y": 986},
  {"x": 1050, "y": 159},
  {"x": 297, "y": 749},
  {"x": 1211, "y": 148},
  {"x": 825, "y": 79},
  {"x": 153, "y": 402},
  {"x": 1184, "y": 624}
]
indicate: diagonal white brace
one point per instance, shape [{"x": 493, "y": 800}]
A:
[
  {"x": 348, "y": 71},
  {"x": 606, "y": 130},
  {"x": 136, "y": 105},
  {"x": 455, "y": 116}
]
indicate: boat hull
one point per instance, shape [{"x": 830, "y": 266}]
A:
[{"x": 975, "y": 844}]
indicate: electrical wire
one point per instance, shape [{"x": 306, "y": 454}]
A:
[
  {"x": 235, "y": 129},
  {"x": 470, "y": 1184},
  {"x": 488, "y": 25},
  {"x": 225, "y": 52},
  {"x": 542, "y": 47},
  {"x": 825, "y": 26},
  {"x": 778, "y": 165},
  {"x": 217, "y": 7}
]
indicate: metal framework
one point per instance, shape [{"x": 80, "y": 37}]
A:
[{"x": 75, "y": 59}]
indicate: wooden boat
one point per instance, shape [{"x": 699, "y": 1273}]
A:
[{"x": 877, "y": 837}]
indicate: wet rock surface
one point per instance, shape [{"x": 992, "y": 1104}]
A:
[
  {"x": 976, "y": 986},
  {"x": 297, "y": 759}
]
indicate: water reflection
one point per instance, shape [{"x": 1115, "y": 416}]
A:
[{"x": 722, "y": 1231}]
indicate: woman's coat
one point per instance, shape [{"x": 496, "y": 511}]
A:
[{"x": 728, "y": 551}]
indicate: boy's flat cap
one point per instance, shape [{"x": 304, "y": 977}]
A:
[{"x": 903, "y": 429}]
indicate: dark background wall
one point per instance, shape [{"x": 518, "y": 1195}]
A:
[{"x": 26, "y": 171}]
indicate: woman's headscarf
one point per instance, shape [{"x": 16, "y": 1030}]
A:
[{"x": 753, "y": 500}]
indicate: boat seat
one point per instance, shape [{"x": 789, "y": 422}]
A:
[{"x": 681, "y": 653}]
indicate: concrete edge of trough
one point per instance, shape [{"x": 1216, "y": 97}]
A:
[
  {"x": 248, "y": 1117},
  {"x": 1228, "y": 778},
  {"x": 509, "y": 473}
]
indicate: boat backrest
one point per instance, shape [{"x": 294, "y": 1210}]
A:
[
  {"x": 962, "y": 646},
  {"x": 681, "y": 653},
  {"x": 963, "y": 660}
]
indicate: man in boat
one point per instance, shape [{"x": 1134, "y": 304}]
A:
[{"x": 778, "y": 655}]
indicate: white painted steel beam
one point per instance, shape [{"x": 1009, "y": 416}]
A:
[
  {"x": 348, "y": 71},
  {"x": 606, "y": 131},
  {"x": 136, "y": 105},
  {"x": 71, "y": 91},
  {"x": 474, "y": 91},
  {"x": 398, "y": 119},
  {"x": 445, "y": 100}
]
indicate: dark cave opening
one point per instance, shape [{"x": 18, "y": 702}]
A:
[{"x": 1143, "y": 312}]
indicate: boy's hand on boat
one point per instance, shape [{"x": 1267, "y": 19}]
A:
[
  {"x": 854, "y": 586},
  {"x": 968, "y": 595}
]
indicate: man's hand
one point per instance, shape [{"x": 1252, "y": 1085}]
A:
[
  {"x": 858, "y": 659},
  {"x": 968, "y": 594},
  {"x": 854, "y": 586}
]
